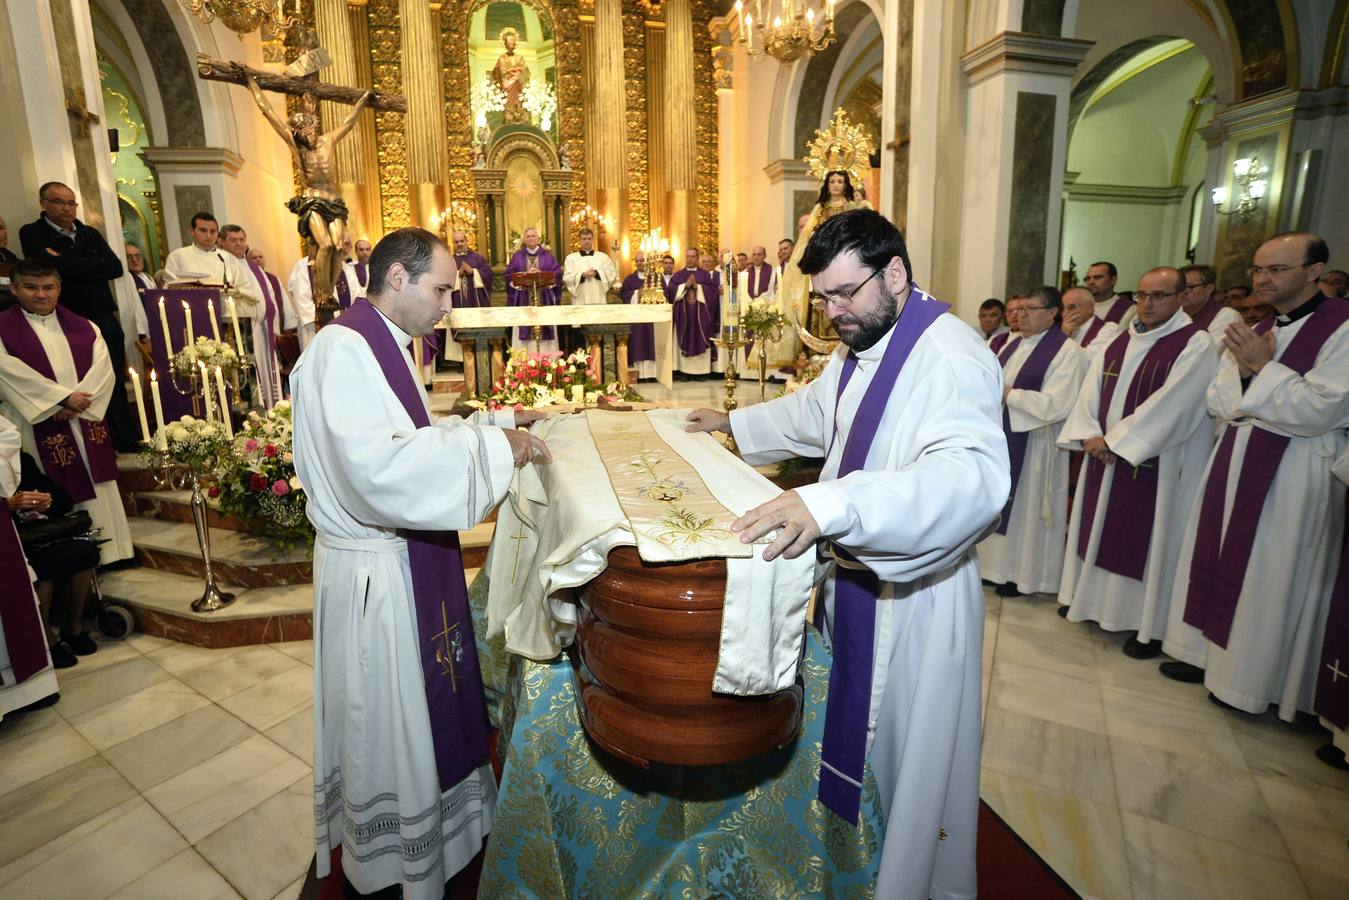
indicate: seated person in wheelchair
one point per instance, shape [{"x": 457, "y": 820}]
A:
[{"x": 62, "y": 553}]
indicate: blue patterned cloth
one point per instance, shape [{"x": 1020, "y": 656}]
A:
[{"x": 572, "y": 821}]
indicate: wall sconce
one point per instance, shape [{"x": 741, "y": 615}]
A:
[{"x": 1248, "y": 179}]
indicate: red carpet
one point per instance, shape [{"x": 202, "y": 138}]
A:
[{"x": 1009, "y": 869}]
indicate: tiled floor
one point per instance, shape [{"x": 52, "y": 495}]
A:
[{"x": 173, "y": 771}]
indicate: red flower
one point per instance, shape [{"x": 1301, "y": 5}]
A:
[
  {"x": 213, "y": 491},
  {"x": 256, "y": 482},
  {"x": 269, "y": 451}
]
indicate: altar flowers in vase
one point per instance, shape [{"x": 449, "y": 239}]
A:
[
  {"x": 256, "y": 480},
  {"x": 538, "y": 380}
]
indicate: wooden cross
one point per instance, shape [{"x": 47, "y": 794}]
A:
[
  {"x": 1336, "y": 673},
  {"x": 307, "y": 86},
  {"x": 1142, "y": 466}
]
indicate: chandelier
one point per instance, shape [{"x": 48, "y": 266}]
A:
[
  {"x": 1249, "y": 177},
  {"x": 794, "y": 32},
  {"x": 241, "y": 16}
]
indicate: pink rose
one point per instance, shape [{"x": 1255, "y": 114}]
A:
[
  {"x": 269, "y": 451},
  {"x": 250, "y": 445},
  {"x": 288, "y": 456},
  {"x": 213, "y": 492},
  {"x": 280, "y": 488}
]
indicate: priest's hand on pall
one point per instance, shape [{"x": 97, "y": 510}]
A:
[
  {"x": 525, "y": 447},
  {"x": 526, "y": 417},
  {"x": 788, "y": 512},
  {"x": 708, "y": 420}
]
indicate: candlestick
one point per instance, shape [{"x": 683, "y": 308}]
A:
[
  {"x": 215, "y": 323},
  {"x": 159, "y": 410},
  {"x": 140, "y": 404},
  {"x": 164, "y": 323},
  {"x": 206, "y": 390},
  {"x": 417, "y": 359},
  {"x": 191, "y": 338},
  {"x": 234, "y": 323},
  {"x": 224, "y": 403}
]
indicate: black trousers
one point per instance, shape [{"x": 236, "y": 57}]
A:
[{"x": 124, "y": 434}]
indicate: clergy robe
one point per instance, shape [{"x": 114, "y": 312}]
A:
[
  {"x": 1169, "y": 433},
  {"x": 139, "y": 324},
  {"x": 351, "y": 283},
  {"x": 370, "y": 473},
  {"x": 1094, "y": 335},
  {"x": 214, "y": 266},
  {"x": 1114, "y": 308},
  {"x": 523, "y": 261},
  {"x": 1271, "y": 653},
  {"x": 266, "y": 324},
  {"x": 1030, "y": 553},
  {"x": 1000, "y": 340},
  {"x": 473, "y": 290},
  {"x": 1332, "y": 677},
  {"x": 1214, "y": 317},
  {"x": 1001, "y": 329},
  {"x": 588, "y": 291},
  {"x": 301, "y": 288},
  {"x": 935, "y": 480},
  {"x": 31, "y": 398},
  {"x": 642, "y": 339},
  {"x": 697, "y": 319},
  {"x": 26, "y": 673}
]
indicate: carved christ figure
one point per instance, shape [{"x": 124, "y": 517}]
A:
[
  {"x": 510, "y": 74},
  {"x": 322, "y": 212}
]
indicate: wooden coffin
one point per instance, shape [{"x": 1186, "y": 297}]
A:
[{"x": 648, "y": 637}]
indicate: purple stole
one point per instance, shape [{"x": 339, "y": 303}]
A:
[
  {"x": 693, "y": 320},
  {"x": 1092, "y": 330},
  {"x": 1116, "y": 312},
  {"x": 1126, "y": 533},
  {"x": 24, "y": 637},
  {"x": 448, "y": 650},
  {"x": 642, "y": 340},
  {"x": 547, "y": 296},
  {"x": 997, "y": 342},
  {"x": 362, "y": 273},
  {"x": 1204, "y": 318},
  {"x": 1332, "y": 680},
  {"x": 343, "y": 289},
  {"x": 759, "y": 281},
  {"x": 1031, "y": 377},
  {"x": 56, "y": 445},
  {"x": 1218, "y": 567},
  {"x": 272, "y": 295},
  {"x": 843, "y": 750}
]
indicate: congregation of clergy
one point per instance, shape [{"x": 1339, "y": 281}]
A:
[{"x": 1178, "y": 451}]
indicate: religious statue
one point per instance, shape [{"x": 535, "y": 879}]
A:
[
  {"x": 510, "y": 74},
  {"x": 839, "y": 157}
]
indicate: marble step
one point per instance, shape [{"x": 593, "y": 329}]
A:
[
  {"x": 176, "y": 506},
  {"x": 236, "y": 557}
]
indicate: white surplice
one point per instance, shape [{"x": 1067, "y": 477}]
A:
[
  {"x": 268, "y": 367},
  {"x": 1338, "y": 736},
  {"x": 1173, "y": 425},
  {"x": 591, "y": 291},
  {"x": 1030, "y": 554},
  {"x": 27, "y": 398},
  {"x": 16, "y": 694},
  {"x": 214, "y": 266},
  {"x": 1273, "y": 649},
  {"x": 301, "y": 290},
  {"x": 1102, "y": 309},
  {"x": 935, "y": 480},
  {"x": 367, "y": 472},
  {"x": 1226, "y": 316},
  {"x": 1098, "y": 344}
]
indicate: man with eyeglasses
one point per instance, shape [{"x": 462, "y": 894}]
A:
[
  {"x": 1257, "y": 564},
  {"x": 1141, "y": 420},
  {"x": 1042, "y": 371},
  {"x": 915, "y": 472},
  {"x": 87, "y": 266},
  {"x": 1200, "y": 304}
]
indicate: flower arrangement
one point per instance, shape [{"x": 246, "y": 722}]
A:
[
  {"x": 191, "y": 442},
  {"x": 486, "y": 97},
  {"x": 763, "y": 318},
  {"x": 205, "y": 350},
  {"x": 256, "y": 479},
  {"x": 534, "y": 381},
  {"x": 540, "y": 99}
]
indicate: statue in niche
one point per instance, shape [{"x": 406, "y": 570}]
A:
[{"x": 510, "y": 74}]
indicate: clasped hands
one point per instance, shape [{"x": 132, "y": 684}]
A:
[
  {"x": 73, "y": 405},
  {"x": 787, "y": 511},
  {"x": 38, "y": 500},
  {"x": 1097, "y": 450},
  {"x": 1250, "y": 350}
]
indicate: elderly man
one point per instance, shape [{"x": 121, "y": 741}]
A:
[
  {"x": 1200, "y": 304},
  {"x": 1081, "y": 324},
  {"x": 355, "y": 275},
  {"x": 303, "y": 303},
  {"x": 56, "y": 378},
  {"x": 142, "y": 282},
  {"x": 266, "y": 318},
  {"x": 697, "y": 315},
  {"x": 1335, "y": 283},
  {"x": 1141, "y": 420},
  {"x": 1258, "y": 558},
  {"x": 992, "y": 318},
  {"x": 533, "y": 256},
  {"x": 642, "y": 339},
  {"x": 473, "y": 287},
  {"x": 1109, "y": 306},
  {"x": 758, "y": 278},
  {"x": 915, "y": 472},
  {"x": 1042, "y": 371}
]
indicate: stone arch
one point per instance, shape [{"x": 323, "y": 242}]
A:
[
  {"x": 512, "y": 140},
  {"x": 814, "y": 83},
  {"x": 174, "y": 73}
]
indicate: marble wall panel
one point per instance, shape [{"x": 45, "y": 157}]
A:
[{"x": 1032, "y": 158}]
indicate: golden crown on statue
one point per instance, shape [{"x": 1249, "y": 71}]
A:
[{"x": 843, "y": 148}]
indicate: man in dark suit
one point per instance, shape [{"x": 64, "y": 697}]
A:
[{"x": 87, "y": 265}]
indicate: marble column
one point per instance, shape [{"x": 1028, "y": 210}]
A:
[
  {"x": 681, "y": 133},
  {"x": 424, "y": 122}
]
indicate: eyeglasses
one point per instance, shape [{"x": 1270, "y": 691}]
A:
[
  {"x": 1153, "y": 295},
  {"x": 840, "y": 298},
  {"x": 71, "y": 203},
  {"x": 1030, "y": 308},
  {"x": 1273, "y": 270}
]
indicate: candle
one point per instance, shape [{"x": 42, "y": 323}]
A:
[
  {"x": 164, "y": 323},
  {"x": 215, "y": 323},
  {"x": 191, "y": 339},
  {"x": 206, "y": 391},
  {"x": 140, "y": 404},
  {"x": 159, "y": 410},
  {"x": 417, "y": 358},
  {"x": 224, "y": 403},
  {"x": 234, "y": 323}
]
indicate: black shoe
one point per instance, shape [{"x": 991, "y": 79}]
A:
[
  {"x": 81, "y": 644},
  {"x": 1184, "y": 672},
  {"x": 1138, "y": 650},
  {"x": 1213, "y": 698},
  {"x": 49, "y": 700},
  {"x": 1332, "y": 756},
  {"x": 1008, "y": 590},
  {"x": 62, "y": 658},
  {"x": 1063, "y": 611}
]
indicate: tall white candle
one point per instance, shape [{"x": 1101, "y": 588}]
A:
[
  {"x": 159, "y": 410},
  {"x": 206, "y": 391},
  {"x": 234, "y": 323},
  {"x": 191, "y": 338},
  {"x": 164, "y": 323},
  {"x": 224, "y": 402},
  {"x": 215, "y": 323},
  {"x": 417, "y": 358},
  {"x": 140, "y": 404}
]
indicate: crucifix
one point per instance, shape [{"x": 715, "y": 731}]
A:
[
  {"x": 321, "y": 211},
  {"x": 1336, "y": 673}
]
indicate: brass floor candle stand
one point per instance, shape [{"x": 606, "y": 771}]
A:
[
  {"x": 763, "y": 340},
  {"x": 212, "y": 598},
  {"x": 730, "y": 342}
]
